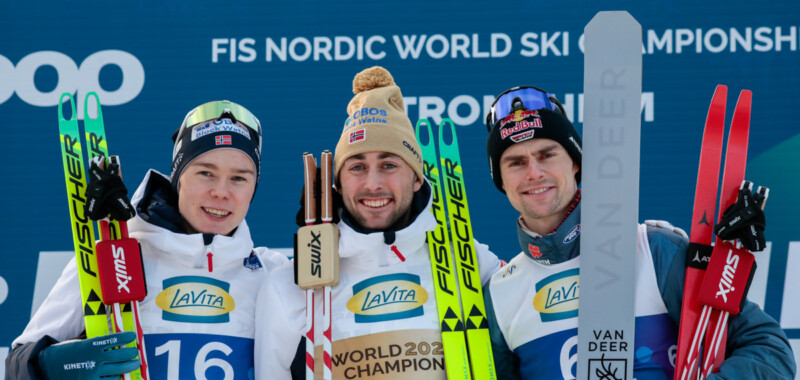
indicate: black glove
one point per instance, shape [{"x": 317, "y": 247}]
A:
[
  {"x": 744, "y": 220},
  {"x": 106, "y": 193},
  {"x": 336, "y": 198}
]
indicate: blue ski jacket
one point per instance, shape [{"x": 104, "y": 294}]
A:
[{"x": 532, "y": 306}]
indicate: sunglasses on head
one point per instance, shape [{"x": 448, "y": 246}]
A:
[
  {"x": 220, "y": 109},
  {"x": 532, "y": 98}
]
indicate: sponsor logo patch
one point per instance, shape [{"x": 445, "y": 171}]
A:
[
  {"x": 387, "y": 298},
  {"x": 522, "y": 136},
  {"x": 195, "y": 299},
  {"x": 509, "y": 270},
  {"x": 518, "y": 116},
  {"x": 557, "y": 296},
  {"x": 365, "y": 116},
  {"x": 357, "y": 136},
  {"x": 214, "y": 126},
  {"x": 519, "y": 125},
  {"x": 573, "y": 234},
  {"x": 252, "y": 262},
  {"x": 534, "y": 250},
  {"x": 412, "y": 150}
]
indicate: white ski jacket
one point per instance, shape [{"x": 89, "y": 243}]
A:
[
  {"x": 385, "y": 322},
  {"x": 198, "y": 320}
]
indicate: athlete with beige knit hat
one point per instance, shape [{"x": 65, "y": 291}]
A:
[{"x": 385, "y": 322}]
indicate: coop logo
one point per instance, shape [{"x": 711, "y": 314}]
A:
[
  {"x": 388, "y": 297},
  {"x": 557, "y": 296},
  {"x": 71, "y": 78},
  {"x": 195, "y": 299}
]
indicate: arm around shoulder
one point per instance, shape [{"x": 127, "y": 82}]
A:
[{"x": 488, "y": 263}]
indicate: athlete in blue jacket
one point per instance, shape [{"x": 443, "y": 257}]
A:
[{"x": 532, "y": 303}]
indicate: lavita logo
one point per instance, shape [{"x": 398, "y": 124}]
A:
[
  {"x": 557, "y": 296},
  {"x": 388, "y": 297},
  {"x": 195, "y": 299},
  {"x": 71, "y": 78}
]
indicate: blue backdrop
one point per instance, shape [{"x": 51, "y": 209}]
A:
[{"x": 292, "y": 64}]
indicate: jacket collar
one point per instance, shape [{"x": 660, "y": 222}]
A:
[{"x": 561, "y": 245}]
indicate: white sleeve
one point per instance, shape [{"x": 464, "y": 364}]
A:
[
  {"x": 270, "y": 259},
  {"x": 488, "y": 263},
  {"x": 60, "y": 315},
  {"x": 280, "y": 323}
]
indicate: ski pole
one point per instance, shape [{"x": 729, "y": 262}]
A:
[
  {"x": 122, "y": 281},
  {"x": 715, "y": 357},
  {"x": 317, "y": 257},
  {"x": 327, "y": 217},
  {"x": 310, "y": 175}
]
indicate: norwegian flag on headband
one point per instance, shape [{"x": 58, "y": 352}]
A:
[
  {"x": 358, "y": 135},
  {"x": 223, "y": 140}
]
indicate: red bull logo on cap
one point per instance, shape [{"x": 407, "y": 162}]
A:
[
  {"x": 518, "y": 115},
  {"x": 520, "y": 126}
]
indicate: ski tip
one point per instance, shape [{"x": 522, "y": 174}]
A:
[
  {"x": 92, "y": 108},
  {"x": 615, "y": 19},
  {"x": 423, "y": 125},
  {"x": 61, "y": 102},
  {"x": 745, "y": 96},
  {"x": 720, "y": 94},
  {"x": 447, "y": 133}
]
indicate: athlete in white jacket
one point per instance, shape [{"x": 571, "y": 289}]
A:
[
  {"x": 202, "y": 271},
  {"x": 385, "y": 321}
]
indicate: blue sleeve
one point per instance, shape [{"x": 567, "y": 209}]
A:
[
  {"x": 506, "y": 363},
  {"x": 22, "y": 362},
  {"x": 757, "y": 346}
]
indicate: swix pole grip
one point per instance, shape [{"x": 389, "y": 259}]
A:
[
  {"x": 728, "y": 279},
  {"x": 121, "y": 272}
]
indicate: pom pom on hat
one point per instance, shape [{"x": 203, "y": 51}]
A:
[
  {"x": 377, "y": 122},
  {"x": 371, "y": 78}
]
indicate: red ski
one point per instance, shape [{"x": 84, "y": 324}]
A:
[
  {"x": 701, "y": 236},
  {"x": 700, "y": 302},
  {"x": 731, "y": 269}
]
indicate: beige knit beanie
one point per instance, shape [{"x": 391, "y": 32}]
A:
[{"x": 377, "y": 122}]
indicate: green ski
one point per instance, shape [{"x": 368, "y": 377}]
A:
[
  {"x": 449, "y": 180},
  {"x": 109, "y": 229}
]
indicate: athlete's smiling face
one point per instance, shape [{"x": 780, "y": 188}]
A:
[
  {"x": 377, "y": 188},
  {"x": 539, "y": 179},
  {"x": 215, "y": 190}
]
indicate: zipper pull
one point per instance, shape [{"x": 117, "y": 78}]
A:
[
  {"x": 210, "y": 261},
  {"x": 397, "y": 252}
]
